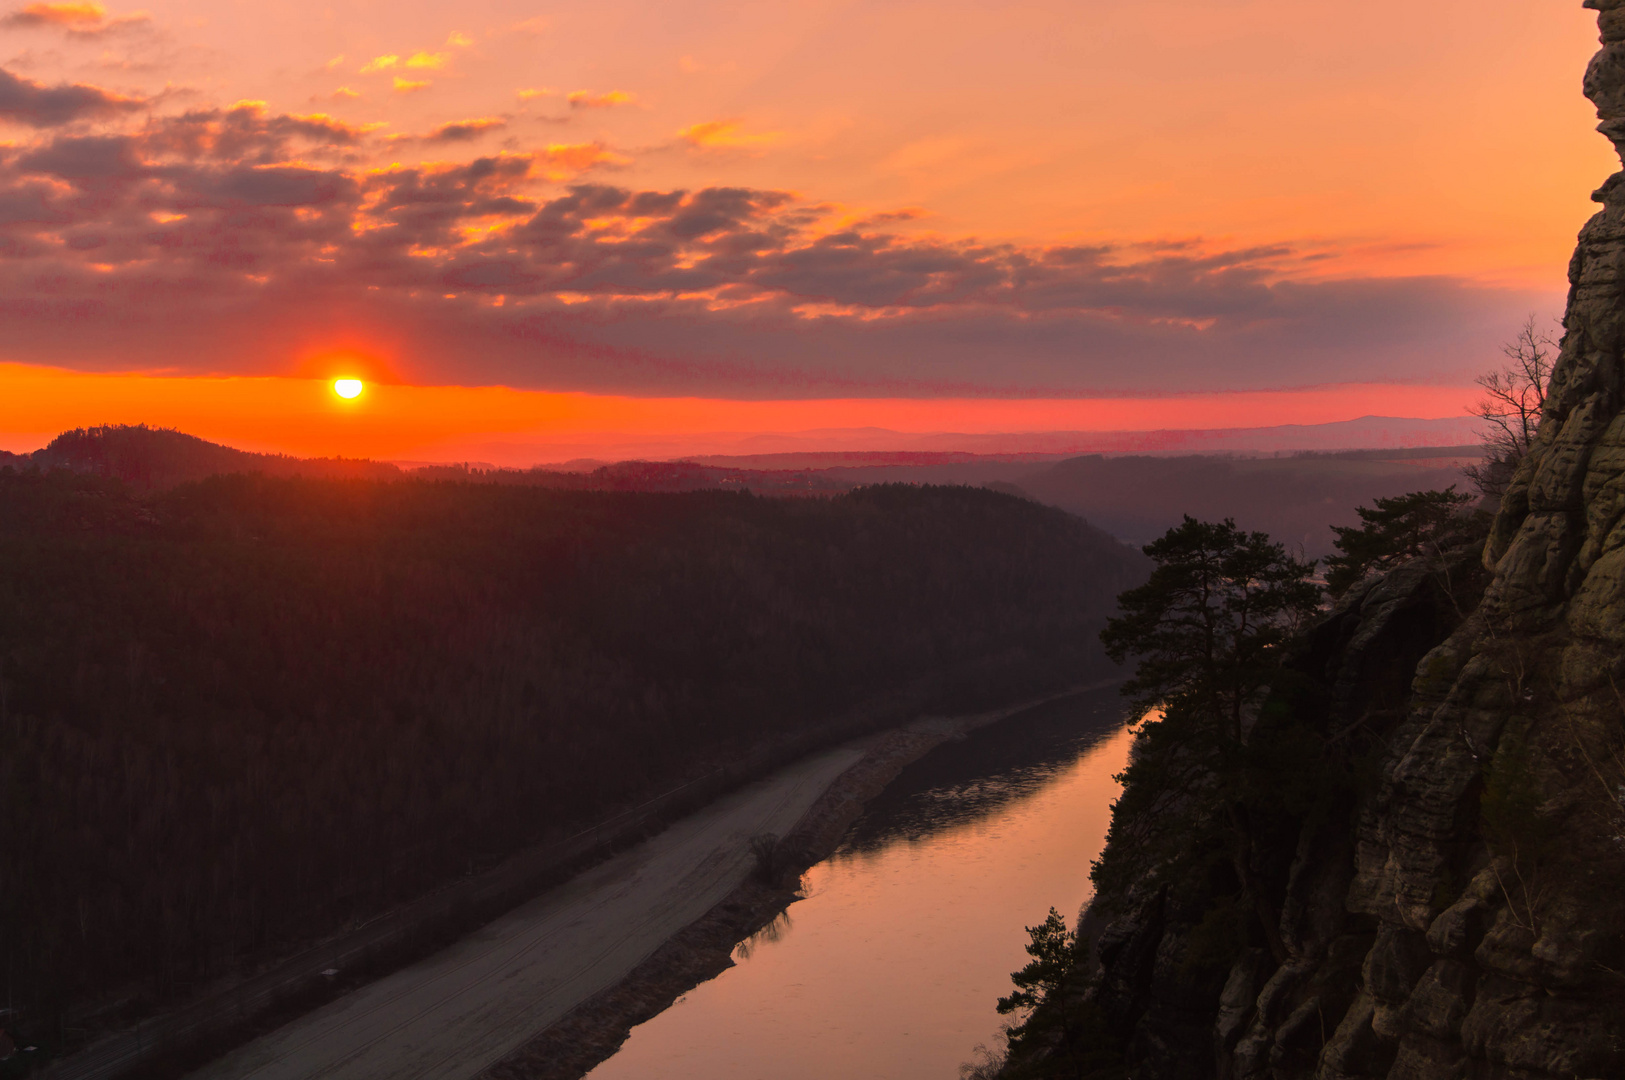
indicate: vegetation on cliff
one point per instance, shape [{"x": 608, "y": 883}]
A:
[
  {"x": 240, "y": 712},
  {"x": 1454, "y": 913},
  {"x": 1259, "y": 742}
]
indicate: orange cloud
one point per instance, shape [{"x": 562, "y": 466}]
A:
[
  {"x": 82, "y": 17},
  {"x": 71, "y": 14},
  {"x": 380, "y": 63},
  {"x": 725, "y": 134},
  {"x": 536, "y": 92},
  {"x": 458, "y": 40},
  {"x": 587, "y": 99},
  {"x": 407, "y": 86},
  {"x": 561, "y": 159},
  {"x": 344, "y": 92},
  {"x": 427, "y": 60}
]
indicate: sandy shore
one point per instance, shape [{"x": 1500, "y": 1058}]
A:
[
  {"x": 455, "y": 1013},
  {"x": 552, "y": 987}
]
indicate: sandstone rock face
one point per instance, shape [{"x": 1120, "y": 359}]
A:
[{"x": 1470, "y": 923}]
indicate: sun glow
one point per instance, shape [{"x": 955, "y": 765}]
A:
[{"x": 347, "y": 388}]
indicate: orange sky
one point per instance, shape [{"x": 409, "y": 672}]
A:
[
  {"x": 949, "y": 217},
  {"x": 519, "y": 427}
]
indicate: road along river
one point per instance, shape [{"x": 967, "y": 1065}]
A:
[{"x": 890, "y": 968}]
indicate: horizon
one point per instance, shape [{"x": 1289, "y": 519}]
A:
[{"x": 1366, "y": 434}]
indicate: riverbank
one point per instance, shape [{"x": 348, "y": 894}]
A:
[
  {"x": 702, "y": 950},
  {"x": 229, "y": 1014}
]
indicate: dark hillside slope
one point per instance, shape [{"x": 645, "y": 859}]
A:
[{"x": 242, "y": 711}]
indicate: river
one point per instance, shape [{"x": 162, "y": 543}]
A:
[{"x": 889, "y": 969}]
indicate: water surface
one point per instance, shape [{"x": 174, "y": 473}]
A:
[{"x": 890, "y": 968}]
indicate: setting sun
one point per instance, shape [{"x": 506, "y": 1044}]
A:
[{"x": 347, "y": 388}]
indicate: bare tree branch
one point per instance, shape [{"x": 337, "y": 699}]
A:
[{"x": 1514, "y": 396}]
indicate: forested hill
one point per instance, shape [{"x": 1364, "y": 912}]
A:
[
  {"x": 242, "y": 710},
  {"x": 146, "y": 458}
]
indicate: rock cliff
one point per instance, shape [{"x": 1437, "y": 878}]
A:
[{"x": 1461, "y": 914}]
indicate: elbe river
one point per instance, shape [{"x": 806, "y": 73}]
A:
[{"x": 891, "y": 966}]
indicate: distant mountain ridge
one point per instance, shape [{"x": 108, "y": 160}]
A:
[
  {"x": 1295, "y": 495},
  {"x": 565, "y": 451}
]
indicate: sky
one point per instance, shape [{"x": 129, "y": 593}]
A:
[{"x": 525, "y": 221}]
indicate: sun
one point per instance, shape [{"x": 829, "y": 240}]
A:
[{"x": 347, "y": 388}]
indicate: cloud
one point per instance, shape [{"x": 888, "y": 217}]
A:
[
  {"x": 344, "y": 93},
  {"x": 379, "y": 63},
  {"x": 27, "y": 102},
  {"x": 246, "y": 132},
  {"x": 536, "y": 92},
  {"x": 69, "y": 14},
  {"x": 427, "y": 61},
  {"x": 252, "y": 234},
  {"x": 587, "y": 99},
  {"x": 562, "y": 160},
  {"x": 458, "y": 41},
  {"x": 86, "y": 160},
  {"x": 725, "y": 134},
  {"x": 465, "y": 130},
  {"x": 407, "y": 86},
  {"x": 75, "y": 16}
]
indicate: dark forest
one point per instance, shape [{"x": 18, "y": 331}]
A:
[{"x": 242, "y": 711}]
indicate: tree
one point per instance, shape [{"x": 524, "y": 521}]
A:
[
  {"x": 1396, "y": 529},
  {"x": 1514, "y": 396},
  {"x": 1208, "y": 626},
  {"x": 1042, "y": 983},
  {"x": 1208, "y": 630}
]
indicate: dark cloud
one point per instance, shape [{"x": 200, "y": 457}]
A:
[
  {"x": 24, "y": 101},
  {"x": 281, "y": 185},
  {"x": 465, "y": 130},
  {"x": 87, "y": 160},
  {"x": 245, "y": 234}
]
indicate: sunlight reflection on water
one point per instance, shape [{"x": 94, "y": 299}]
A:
[{"x": 890, "y": 967}]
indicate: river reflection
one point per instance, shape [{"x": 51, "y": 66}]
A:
[{"x": 890, "y": 967}]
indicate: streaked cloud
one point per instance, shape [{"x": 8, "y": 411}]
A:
[
  {"x": 458, "y": 40},
  {"x": 75, "y": 16},
  {"x": 407, "y": 86},
  {"x": 588, "y": 99},
  {"x": 532, "y": 93},
  {"x": 24, "y": 101},
  {"x": 379, "y": 63},
  {"x": 177, "y": 238},
  {"x": 213, "y": 230},
  {"x": 563, "y": 160},
  {"x": 427, "y": 61},
  {"x": 726, "y": 134},
  {"x": 465, "y": 130}
]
